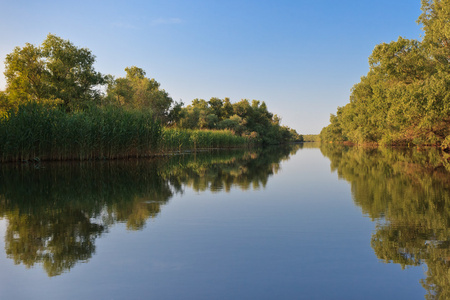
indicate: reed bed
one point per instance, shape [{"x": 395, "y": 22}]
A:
[
  {"x": 182, "y": 139},
  {"x": 38, "y": 132}
]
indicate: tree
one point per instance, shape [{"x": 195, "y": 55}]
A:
[
  {"x": 402, "y": 61},
  {"x": 216, "y": 106},
  {"x": 434, "y": 18},
  {"x": 56, "y": 72},
  {"x": 405, "y": 97},
  {"x": 227, "y": 108},
  {"x": 72, "y": 75},
  {"x": 245, "y": 119},
  {"x": 135, "y": 91}
]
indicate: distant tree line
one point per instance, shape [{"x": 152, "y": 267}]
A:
[
  {"x": 311, "y": 137},
  {"x": 405, "y": 97}
]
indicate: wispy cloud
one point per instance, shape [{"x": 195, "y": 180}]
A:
[{"x": 167, "y": 21}]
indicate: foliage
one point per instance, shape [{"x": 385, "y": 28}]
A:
[
  {"x": 405, "y": 97},
  {"x": 42, "y": 132},
  {"x": 39, "y": 132},
  {"x": 181, "y": 139},
  {"x": 135, "y": 91},
  {"x": 53, "y": 108},
  {"x": 311, "y": 138},
  {"x": 243, "y": 118},
  {"x": 434, "y": 18},
  {"x": 56, "y": 72}
]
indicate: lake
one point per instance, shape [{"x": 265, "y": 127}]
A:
[{"x": 299, "y": 222}]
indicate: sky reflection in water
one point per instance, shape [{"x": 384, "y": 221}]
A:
[{"x": 241, "y": 224}]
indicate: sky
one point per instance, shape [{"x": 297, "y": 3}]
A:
[{"x": 301, "y": 57}]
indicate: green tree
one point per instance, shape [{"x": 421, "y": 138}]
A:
[
  {"x": 434, "y": 19},
  {"x": 401, "y": 61},
  {"x": 234, "y": 123},
  {"x": 135, "y": 91},
  {"x": 57, "y": 72},
  {"x": 405, "y": 97},
  {"x": 216, "y": 106},
  {"x": 73, "y": 78},
  {"x": 333, "y": 132},
  {"x": 227, "y": 108},
  {"x": 243, "y": 118}
]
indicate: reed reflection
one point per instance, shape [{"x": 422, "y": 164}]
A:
[
  {"x": 407, "y": 193},
  {"x": 55, "y": 212}
]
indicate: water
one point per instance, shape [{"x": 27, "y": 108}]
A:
[{"x": 285, "y": 223}]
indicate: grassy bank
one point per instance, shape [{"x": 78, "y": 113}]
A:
[{"x": 39, "y": 132}]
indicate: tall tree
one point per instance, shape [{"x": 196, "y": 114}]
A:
[
  {"x": 57, "y": 71},
  {"x": 405, "y": 97},
  {"x": 72, "y": 75},
  {"x": 26, "y": 74}
]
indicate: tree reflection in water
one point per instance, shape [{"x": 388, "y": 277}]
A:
[
  {"x": 56, "y": 211},
  {"x": 407, "y": 192}
]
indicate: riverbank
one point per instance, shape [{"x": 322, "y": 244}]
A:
[{"x": 39, "y": 133}]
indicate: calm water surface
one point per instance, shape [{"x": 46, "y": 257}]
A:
[{"x": 285, "y": 223}]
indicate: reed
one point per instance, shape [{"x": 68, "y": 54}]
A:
[
  {"x": 182, "y": 139},
  {"x": 38, "y": 132}
]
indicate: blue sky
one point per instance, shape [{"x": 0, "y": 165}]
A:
[{"x": 300, "y": 57}]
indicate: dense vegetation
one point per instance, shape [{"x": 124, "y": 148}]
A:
[
  {"x": 405, "y": 97},
  {"x": 311, "y": 137},
  {"x": 56, "y": 106},
  {"x": 244, "y": 118},
  {"x": 406, "y": 191}
]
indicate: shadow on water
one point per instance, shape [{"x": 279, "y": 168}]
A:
[
  {"x": 55, "y": 211},
  {"x": 407, "y": 193}
]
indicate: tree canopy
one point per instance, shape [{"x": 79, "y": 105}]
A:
[
  {"x": 139, "y": 92},
  {"x": 244, "y": 118},
  {"x": 55, "y": 72},
  {"x": 405, "y": 97}
]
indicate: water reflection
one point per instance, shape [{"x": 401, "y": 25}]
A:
[
  {"x": 55, "y": 212},
  {"x": 407, "y": 193}
]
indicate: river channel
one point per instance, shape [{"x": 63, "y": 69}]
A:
[{"x": 300, "y": 222}]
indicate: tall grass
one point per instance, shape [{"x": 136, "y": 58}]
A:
[
  {"x": 39, "y": 132},
  {"x": 182, "y": 139}
]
